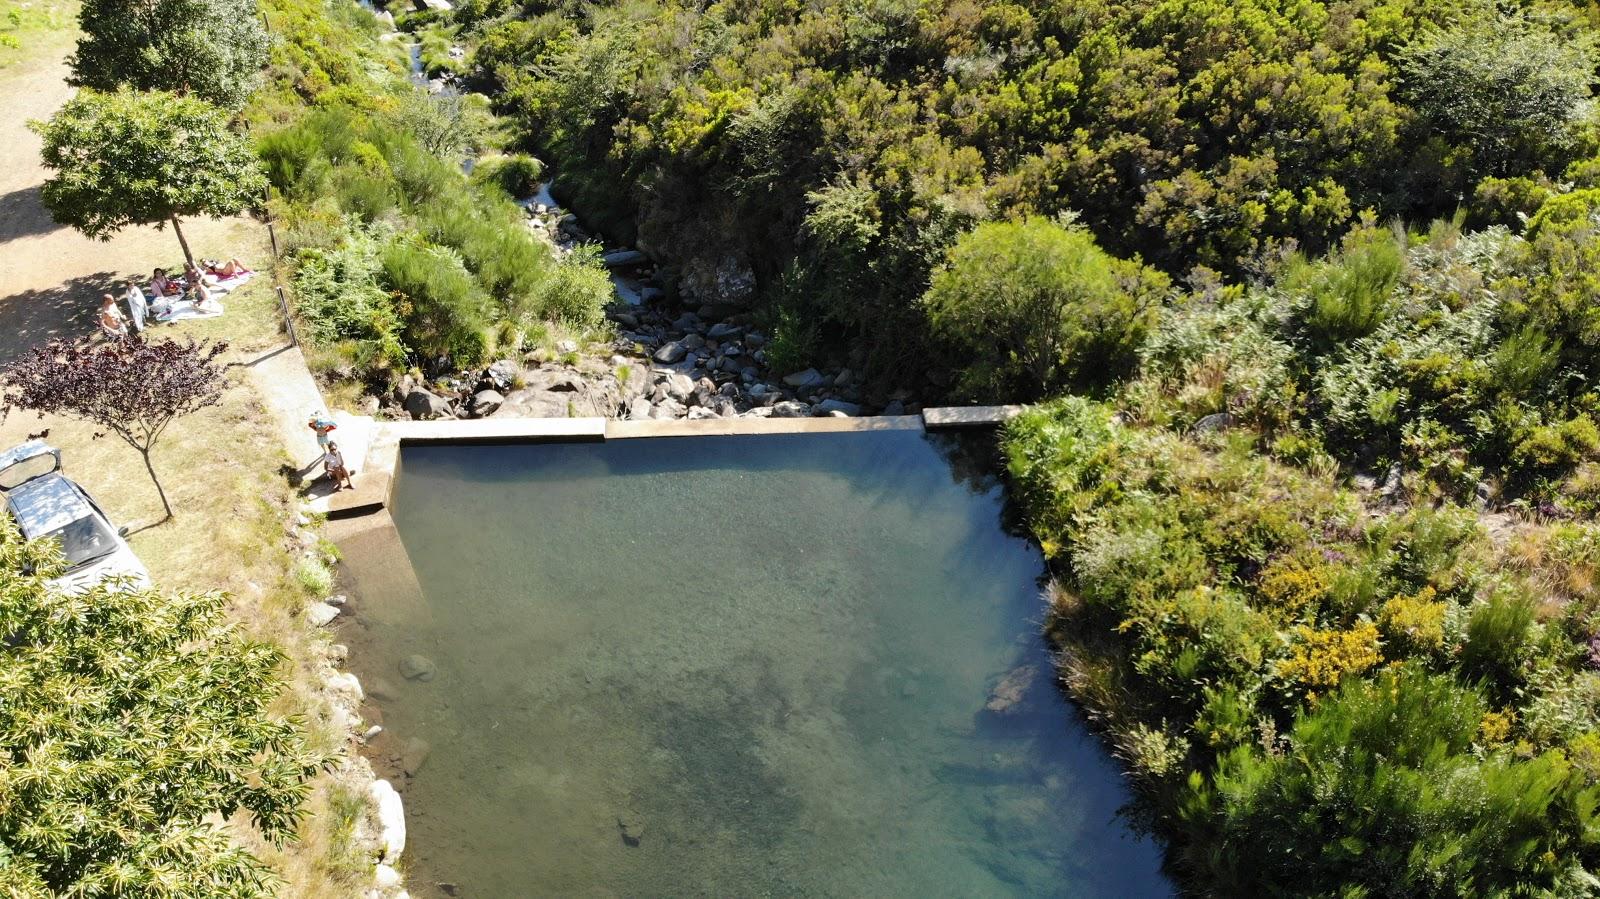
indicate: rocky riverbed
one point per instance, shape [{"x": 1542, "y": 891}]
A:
[{"x": 666, "y": 362}]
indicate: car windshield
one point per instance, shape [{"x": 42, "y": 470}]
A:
[{"x": 84, "y": 540}]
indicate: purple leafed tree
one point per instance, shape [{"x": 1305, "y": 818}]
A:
[{"x": 133, "y": 388}]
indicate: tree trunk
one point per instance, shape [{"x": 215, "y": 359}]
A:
[
  {"x": 189, "y": 258},
  {"x": 156, "y": 481}
]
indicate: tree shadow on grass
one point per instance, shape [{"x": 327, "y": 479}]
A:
[
  {"x": 22, "y": 214},
  {"x": 67, "y": 310}
]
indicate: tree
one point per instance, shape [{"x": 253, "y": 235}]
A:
[
  {"x": 128, "y": 718},
  {"x": 131, "y": 158},
  {"x": 133, "y": 388},
  {"x": 1510, "y": 90},
  {"x": 1035, "y": 305},
  {"x": 211, "y": 49}
]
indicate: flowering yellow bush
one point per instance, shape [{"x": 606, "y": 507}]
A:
[
  {"x": 1321, "y": 658},
  {"x": 1414, "y": 621},
  {"x": 1293, "y": 585},
  {"x": 1496, "y": 726}
]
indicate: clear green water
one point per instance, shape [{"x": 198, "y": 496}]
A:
[{"x": 772, "y": 654}]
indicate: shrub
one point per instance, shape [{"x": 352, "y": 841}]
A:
[
  {"x": 132, "y": 719},
  {"x": 518, "y": 175},
  {"x": 1037, "y": 306},
  {"x": 1349, "y": 294}
]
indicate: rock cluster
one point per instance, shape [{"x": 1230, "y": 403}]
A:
[{"x": 662, "y": 366}]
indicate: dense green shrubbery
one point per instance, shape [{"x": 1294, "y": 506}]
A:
[
  {"x": 838, "y": 148},
  {"x": 131, "y": 720},
  {"x": 400, "y": 257},
  {"x": 1317, "y": 701}
]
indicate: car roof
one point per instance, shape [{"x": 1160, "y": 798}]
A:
[{"x": 47, "y": 503}]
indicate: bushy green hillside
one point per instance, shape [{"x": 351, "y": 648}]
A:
[{"x": 836, "y": 149}]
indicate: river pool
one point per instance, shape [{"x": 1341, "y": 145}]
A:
[{"x": 736, "y": 666}]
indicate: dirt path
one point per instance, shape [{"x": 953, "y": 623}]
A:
[{"x": 52, "y": 276}]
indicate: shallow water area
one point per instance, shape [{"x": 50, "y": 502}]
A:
[{"x": 736, "y": 666}]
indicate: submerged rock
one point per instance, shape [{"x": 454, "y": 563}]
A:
[
  {"x": 417, "y": 667},
  {"x": 414, "y": 755},
  {"x": 1012, "y": 689},
  {"x": 632, "y": 828}
]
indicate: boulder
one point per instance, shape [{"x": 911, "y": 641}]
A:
[
  {"x": 423, "y": 405},
  {"x": 487, "y": 402},
  {"x": 679, "y": 386},
  {"x": 693, "y": 341},
  {"x": 1217, "y": 421},
  {"x": 805, "y": 379},
  {"x": 322, "y": 614},
  {"x": 728, "y": 281},
  {"x": 501, "y": 373},
  {"x": 391, "y": 820},
  {"x": 632, "y": 828},
  {"x": 701, "y": 413},
  {"x": 721, "y": 330},
  {"x": 843, "y": 378},
  {"x": 832, "y": 406},
  {"x": 414, "y": 756},
  {"x": 639, "y": 409},
  {"x": 346, "y": 684},
  {"x": 624, "y": 258},
  {"x": 652, "y": 295},
  {"x": 625, "y": 319},
  {"x": 385, "y": 877},
  {"x": 670, "y": 353},
  {"x": 791, "y": 409},
  {"x": 417, "y": 667},
  {"x": 895, "y": 407},
  {"x": 1012, "y": 688}
]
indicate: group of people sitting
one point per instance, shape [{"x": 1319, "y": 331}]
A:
[{"x": 192, "y": 295}]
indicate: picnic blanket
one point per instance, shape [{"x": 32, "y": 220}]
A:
[
  {"x": 182, "y": 310},
  {"x": 223, "y": 286}
]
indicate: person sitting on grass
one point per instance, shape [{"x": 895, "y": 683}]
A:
[
  {"x": 333, "y": 465},
  {"x": 233, "y": 268},
  {"x": 200, "y": 295},
  {"x": 112, "y": 324},
  {"x": 164, "y": 287}
]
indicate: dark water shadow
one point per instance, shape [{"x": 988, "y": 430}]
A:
[
  {"x": 22, "y": 214},
  {"x": 68, "y": 310}
]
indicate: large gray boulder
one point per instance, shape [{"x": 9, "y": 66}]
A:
[
  {"x": 502, "y": 373},
  {"x": 487, "y": 402},
  {"x": 423, "y": 405},
  {"x": 791, "y": 409},
  {"x": 830, "y": 406},
  {"x": 624, "y": 258},
  {"x": 805, "y": 379},
  {"x": 670, "y": 353}
]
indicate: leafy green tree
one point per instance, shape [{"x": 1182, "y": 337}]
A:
[
  {"x": 211, "y": 49},
  {"x": 128, "y": 720},
  {"x": 1035, "y": 305},
  {"x": 1510, "y": 90},
  {"x": 133, "y": 158}
]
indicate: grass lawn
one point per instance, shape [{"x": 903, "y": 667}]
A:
[{"x": 35, "y": 29}]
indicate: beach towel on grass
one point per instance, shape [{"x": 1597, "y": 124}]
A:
[{"x": 183, "y": 310}]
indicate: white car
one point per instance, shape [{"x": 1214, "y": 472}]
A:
[{"x": 45, "y": 503}]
